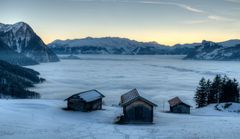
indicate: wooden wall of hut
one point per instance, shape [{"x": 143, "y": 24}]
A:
[
  {"x": 180, "y": 108},
  {"x": 138, "y": 112}
]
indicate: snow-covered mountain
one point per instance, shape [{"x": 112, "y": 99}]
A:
[
  {"x": 107, "y": 45},
  {"x": 230, "y": 43},
  {"x": 207, "y": 50},
  {"x": 115, "y": 45},
  {"x": 21, "y": 38},
  {"x": 190, "y": 47},
  {"x": 10, "y": 56},
  {"x": 184, "y": 48}
]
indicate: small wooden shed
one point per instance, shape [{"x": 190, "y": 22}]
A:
[
  {"x": 178, "y": 106},
  {"x": 85, "y": 101},
  {"x": 136, "y": 109}
]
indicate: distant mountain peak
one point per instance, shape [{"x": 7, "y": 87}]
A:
[
  {"x": 208, "y": 43},
  {"x": 21, "y": 23},
  {"x": 21, "y": 38}
]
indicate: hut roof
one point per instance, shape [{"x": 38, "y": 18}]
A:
[
  {"x": 88, "y": 96},
  {"x": 132, "y": 96},
  {"x": 175, "y": 101}
]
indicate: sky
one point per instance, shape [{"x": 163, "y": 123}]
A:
[{"x": 164, "y": 21}]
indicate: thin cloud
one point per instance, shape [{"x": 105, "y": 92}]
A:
[
  {"x": 190, "y": 22},
  {"x": 209, "y": 19},
  {"x": 176, "y": 4},
  {"x": 233, "y": 1},
  {"x": 219, "y": 18},
  {"x": 183, "y": 6},
  {"x": 180, "y": 5}
]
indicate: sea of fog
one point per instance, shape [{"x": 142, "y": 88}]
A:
[{"x": 158, "y": 78}]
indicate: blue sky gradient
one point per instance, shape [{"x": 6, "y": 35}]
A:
[{"x": 164, "y": 21}]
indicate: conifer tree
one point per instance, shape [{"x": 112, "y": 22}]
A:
[
  {"x": 216, "y": 90},
  {"x": 236, "y": 91},
  {"x": 208, "y": 87},
  {"x": 221, "y": 89},
  {"x": 230, "y": 91},
  {"x": 201, "y": 94}
]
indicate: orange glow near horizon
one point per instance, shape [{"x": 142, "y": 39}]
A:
[{"x": 168, "y": 39}]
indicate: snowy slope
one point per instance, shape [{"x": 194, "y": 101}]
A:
[
  {"x": 21, "y": 38},
  {"x": 228, "y": 107},
  {"x": 38, "y": 119},
  {"x": 222, "y": 109}
]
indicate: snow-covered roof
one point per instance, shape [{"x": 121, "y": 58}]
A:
[
  {"x": 125, "y": 98},
  {"x": 88, "y": 96},
  {"x": 131, "y": 96},
  {"x": 175, "y": 101}
]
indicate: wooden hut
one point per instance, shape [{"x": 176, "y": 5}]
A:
[
  {"x": 178, "y": 106},
  {"x": 136, "y": 109},
  {"x": 85, "y": 101}
]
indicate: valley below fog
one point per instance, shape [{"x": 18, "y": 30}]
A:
[{"x": 157, "y": 77}]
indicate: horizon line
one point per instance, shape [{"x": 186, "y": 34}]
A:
[{"x": 200, "y": 41}]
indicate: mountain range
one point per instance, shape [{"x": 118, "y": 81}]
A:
[
  {"x": 207, "y": 50},
  {"x": 20, "y": 45},
  {"x": 107, "y": 45}
]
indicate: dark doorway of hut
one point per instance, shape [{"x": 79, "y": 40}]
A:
[
  {"x": 139, "y": 113},
  {"x": 89, "y": 108}
]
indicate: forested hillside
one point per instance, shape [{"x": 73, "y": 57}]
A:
[{"x": 14, "y": 81}]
